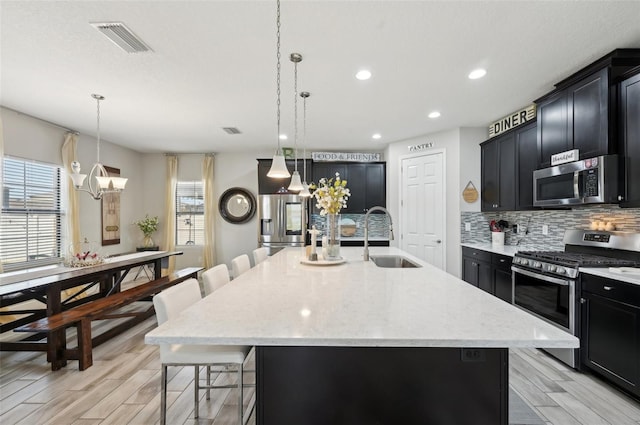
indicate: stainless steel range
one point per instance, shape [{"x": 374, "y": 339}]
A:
[{"x": 547, "y": 283}]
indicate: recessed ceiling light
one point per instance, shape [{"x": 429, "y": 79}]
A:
[
  {"x": 434, "y": 114},
  {"x": 363, "y": 74},
  {"x": 376, "y": 136},
  {"x": 283, "y": 137},
  {"x": 477, "y": 73}
]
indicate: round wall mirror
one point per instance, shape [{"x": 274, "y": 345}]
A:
[{"x": 237, "y": 205}]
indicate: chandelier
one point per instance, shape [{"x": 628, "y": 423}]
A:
[{"x": 103, "y": 182}]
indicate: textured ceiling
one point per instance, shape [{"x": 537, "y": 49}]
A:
[{"x": 213, "y": 65}]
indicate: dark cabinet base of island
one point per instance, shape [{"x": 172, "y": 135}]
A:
[{"x": 381, "y": 385}]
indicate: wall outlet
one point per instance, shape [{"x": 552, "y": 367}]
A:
[
  {"x": 545, "y": 229},
  {"x": 467, "y": 227}
]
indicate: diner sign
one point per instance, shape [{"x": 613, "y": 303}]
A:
[
  {"x": 345, "y": 156},
  {"x": 512, "y": 120}
]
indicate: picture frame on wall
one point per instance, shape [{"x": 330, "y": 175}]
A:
[{"x": 110, "y": 208}]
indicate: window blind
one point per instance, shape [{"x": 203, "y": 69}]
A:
[
  {"x": 31, "y": 214},
  {"x": 190, "y": 213}
]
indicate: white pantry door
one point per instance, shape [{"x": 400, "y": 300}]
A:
[{"x": 422, "y": 208}]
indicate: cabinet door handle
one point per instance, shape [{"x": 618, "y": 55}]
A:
[
  {"x": 608, "y": 288},
  {"x": 502, "y": 260},
  {"x": 474, "y": 264},
  {"x": 583, "y": 301},
  {"x": 438, "y": 241}
]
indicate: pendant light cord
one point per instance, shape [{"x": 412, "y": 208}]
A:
[
  {"x": 278, "y": 71},
  {"x": 295, "y": 113},
  {"x": 304, "y": 137},
  {"x": 98, "y": 131}
]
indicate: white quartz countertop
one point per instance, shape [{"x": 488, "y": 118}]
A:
[
  {"x": 629, "y": 275},
  {"x": 509, "y": 250},
  {"x": 283, "y": 302}
]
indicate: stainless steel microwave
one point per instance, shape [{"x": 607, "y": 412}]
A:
[{"x": 588, "y": 181}]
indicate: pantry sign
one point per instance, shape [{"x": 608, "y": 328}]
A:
[{"x": 513, "y": 120}]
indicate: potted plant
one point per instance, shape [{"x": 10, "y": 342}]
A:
[{"x": 148, "y": 225}]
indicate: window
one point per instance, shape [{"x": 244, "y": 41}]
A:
[
  {"x": 31, "y": 214},
  {"x": 190, "y": 213}
]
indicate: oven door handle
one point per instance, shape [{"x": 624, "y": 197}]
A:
[{"x": 561, "y": 282}]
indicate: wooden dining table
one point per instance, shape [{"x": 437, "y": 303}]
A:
[{"x": 57, "y": 288}]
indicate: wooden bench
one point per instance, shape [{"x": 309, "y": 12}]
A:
[{"x": 82, "y": 316}]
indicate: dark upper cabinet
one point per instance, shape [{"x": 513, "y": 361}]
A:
[
  {"x": 552, "y": 128},
  {"x": 581, "y": 112},
  {"x": 498, "y": 173},
  {"x": 576, "y": 118},
  {"x": 268, "y": 185},
  {"x": 366, "y": 182},
  {"x": 630, "y": 125},
  {"x": 508, "y": 162},
  {"x": 588, "y": 115},
  {"x": 526, "y": 151}
]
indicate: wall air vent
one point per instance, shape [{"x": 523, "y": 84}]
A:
[
  {"x": 122, "y": 36},
  {"x": 231, "y": 130}
]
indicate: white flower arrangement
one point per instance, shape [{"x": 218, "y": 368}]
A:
[{"x": 331, "y": 194}]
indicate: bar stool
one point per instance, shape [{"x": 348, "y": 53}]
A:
[
  {"x": 240, "y": 264},
  {"x": 215, "y": 278},
  {"x": 259, "y": 255},
  {"x": 168, "y": 305}
]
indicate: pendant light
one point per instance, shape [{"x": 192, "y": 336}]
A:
[
  {"x": 305, "y": 187},
  {"x": 278, "y": 168},
  {"x": 296, "y": 184},
  {"x": 104, "y": 183}
]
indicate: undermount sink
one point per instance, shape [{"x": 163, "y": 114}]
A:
[{"x": 393, "y": 261}]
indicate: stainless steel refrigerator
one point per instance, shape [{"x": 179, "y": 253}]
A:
[{"x": 282, "y": 221}]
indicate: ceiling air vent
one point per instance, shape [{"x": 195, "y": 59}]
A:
[
  {"x": 122, "y": 36},
  {"x": 231, "y": 130}
]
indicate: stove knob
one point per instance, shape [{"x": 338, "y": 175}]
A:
[
  {"x": 537, "y": 265},
  {"x": 561, "y": 270},
  {"x": 552, "y": 268},
  {"x": 524, "y": 262},
  {"x": 517, "y": 261}
]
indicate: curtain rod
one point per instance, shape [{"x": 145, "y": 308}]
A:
[
  {"x": 43, "y": 120},
  {"x": 190, "y": 153}
]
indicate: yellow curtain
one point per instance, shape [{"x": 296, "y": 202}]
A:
[
  {"x": 73, "y": 210},
  {"x": 1, "y": 179},
  {"x": 170, "y": 209},
  {"x": 73, "y": 207},
  {"x": 209, "y": 212}
]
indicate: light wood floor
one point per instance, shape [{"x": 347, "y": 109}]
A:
[{"x": 123, "y": 387}]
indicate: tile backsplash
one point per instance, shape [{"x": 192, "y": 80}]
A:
[
  {"x": 557, "y": 221},
  {"x": 378, "y": 224}
]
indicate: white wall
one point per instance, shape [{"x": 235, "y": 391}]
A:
[
  {"x": 460, "y": 152},
  {"x": 230, "y": 170},
  {"x": 29, "y": 138},
  {"x": 470, "y": 139}
]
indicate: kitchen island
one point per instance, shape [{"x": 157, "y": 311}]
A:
[{"x": 358, "y": 343}]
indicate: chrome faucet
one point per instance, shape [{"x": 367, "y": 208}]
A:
[{"x": 366, "y": 229}]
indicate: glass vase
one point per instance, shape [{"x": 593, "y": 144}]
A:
[
  {"x": 147, "y": 242},
  {"x": 331, "y": 251}
]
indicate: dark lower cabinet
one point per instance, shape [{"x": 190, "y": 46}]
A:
[
  {"x": 488, "y": 271},
  {"x": 503, "y": 288},
  {"x": 381, "y": 385},
  {"x": 610, "y": 340}
]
